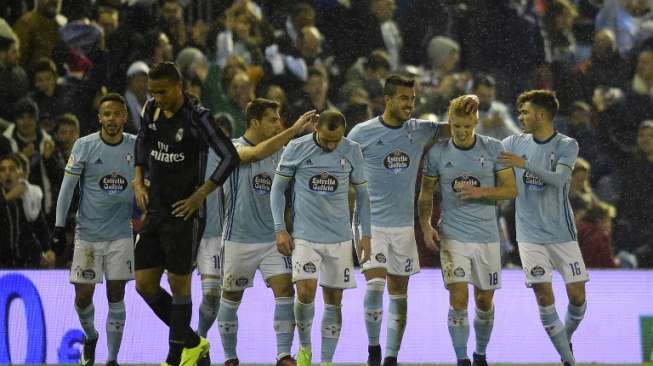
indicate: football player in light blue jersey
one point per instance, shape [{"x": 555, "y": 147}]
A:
[
  {"x": 321, "y": 166},
  {"x": 471, "y": 181},
  {"x": 248, "y": 230},
  {"x": 543, "y": 160},
  {"x": 392, "y": 146},
  {"x": 103, "y": 165},
  {"x": 209, "y": 258}
]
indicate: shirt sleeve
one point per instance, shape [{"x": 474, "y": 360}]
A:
[
  {"x": 568, "y": 153},
  {"x": 357, "y": 175},
  {"x": 221, "y": 145},
  {"x": 497, "y": 149},
  {"x": 431, "y": 168},
  {"x": 76, "y": 160},
  {"x": 288, "y": 163}
]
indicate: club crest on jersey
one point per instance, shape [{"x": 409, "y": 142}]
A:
[
  {"x": 533, "y": 182},
  {"x": 113, "y": 183},
  {"x": 464, "y": 180},
  {"x": 323, "y": 183},
  {"x": 129, "y": 157},
  {"x": 179, "y": 135},
  {"x": 262, "y": 184},
  {"x": 397, "y": 161}
]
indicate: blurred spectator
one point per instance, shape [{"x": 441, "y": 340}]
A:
[
  {"x": 193, "y": 64},
  {"x": 157, "y": 48},
  {"x": 605, "y": 67},
  {"x": 634, "y": 232},
  {"x": 172, "y": 23},
  {"x": 595, "y": 235},
  {"x": 24, "y": 243},
  {"x": 80, "y": 33},
  {"x": 494, "y": 117},
  {"x": 38, "y": 31},
  {"x": 136, "y": 93},
  {"x": 278, "y": 94},
  {"x": 37, "y": 145},
  {"x": 377, "y": 29},
  {"x": 14, "y": 83},
  {"x": 240, "y": 92},
  {"x": 314, "y": 94},
  {"x": 368, "y": 73},
  {"x": 443, "y": 55},
  {"x": 642, "y": 82},
  {"x": 241, "y": 37},
  {"x": 53, "y": 98},
  {"x": 67, "y": 132},
  {"x": 623, "y": 17}
]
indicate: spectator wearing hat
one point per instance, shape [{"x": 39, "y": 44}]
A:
[
  {"x": 26, "y": 137},
  {"x": 136, "y": 93}
]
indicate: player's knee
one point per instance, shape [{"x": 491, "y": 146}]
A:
[
  {"x": 544, "y": 298},
  {"x": 235, "y": 296},
  {"x": 284, "y": 291},
  {"x": 147, "y": 290},
  {"x": 83, "y": 300},
  {"x": 577, "y": 297},
  {"x": 483, "y": 301}
]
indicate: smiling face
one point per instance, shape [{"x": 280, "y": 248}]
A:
[
  {"x": 463, "y": 128},
  {"x": 402, "y": 103}
]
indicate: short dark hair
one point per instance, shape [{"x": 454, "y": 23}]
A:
[
  {"x": 113, "y": 97},
  {"x": 165, "y": 70},
  {"x": 5, "y": 43},
  {"x": 393, "y": 81},
  {"x": 541, "y": 98},
  {"x": 257, "y": 107},
  {"x": 378, "y": 59},
  {"x": 44, "y": 64},
  {"x": 332, "y": 119},
  {"x": 483, "y": 80},
  {"x": 26, "y": 106}
]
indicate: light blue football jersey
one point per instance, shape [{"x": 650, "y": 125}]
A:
[
  {"x": 320, "y": 191},
  {"x": 543, "y": 212},
  {"x": 214, "y": 202},
  {"x": 392, "y": 158},
  {"x": 470, "y": 221},
  {"x": 248, "y": 216},
  {"x": 106, "y": 196}
]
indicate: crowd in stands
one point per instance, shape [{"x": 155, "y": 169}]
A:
[{"x": 58, "y": 57}]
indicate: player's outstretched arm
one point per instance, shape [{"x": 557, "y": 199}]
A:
[
  {"x": 278, "y": 206},
  {"x": 425, "y": 208},
  {"x": 273, "y": 144}
]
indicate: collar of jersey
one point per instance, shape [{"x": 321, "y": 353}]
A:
[
  {"x": 388, "y": 126},
  {"x": 465, "y": 148},
  {"x": 555, "y": 133}
]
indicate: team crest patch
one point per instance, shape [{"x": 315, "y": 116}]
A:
[
  {"x": 113, "y": 183},
  {"x": 262, "y": 184},
  {"x": 309, "y": 267},
  {"x": 397, "y": 161},
  {"x": 179, "y": 135},
  {"x": 129, "y": 157},
  {"x": 459, "y": 272},
  {"x": 88, "y": 274},
  {"x": 464, "y": 180},
  {"x": 538, "y": 271},
  {"x": 323, "y": 183},
  {"x": 242, "y": 281},
  {"x": 380, "y": 258}
]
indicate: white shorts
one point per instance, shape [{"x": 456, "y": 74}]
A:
[
  {"x": 209, "y": 257},
  {"x": 92, "y": 261},
  {"x": 242, "y": 260},
  {"x": 539, "y": 261},
  {"x": 333, "y": 262},
  {"x": 478, "y": 263},
  {"x": 394, "y": 249}
]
